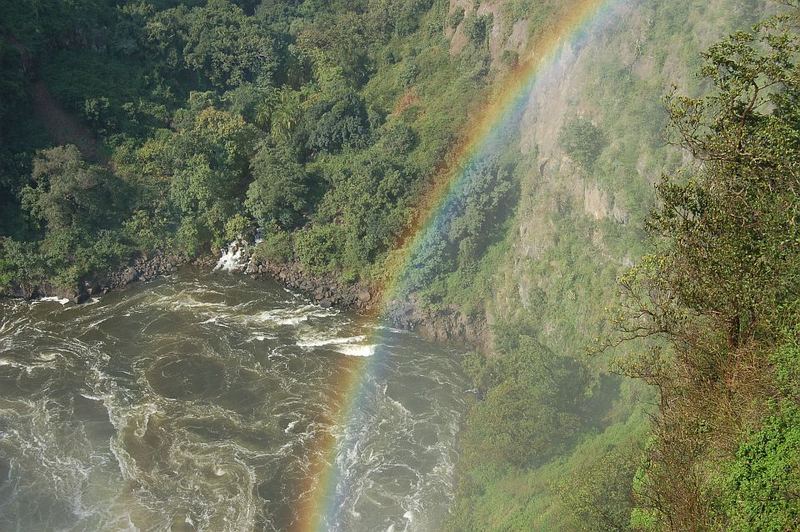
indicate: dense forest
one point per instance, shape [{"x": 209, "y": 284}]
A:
[
  {"x": 131, "y": 127},
  {"x": 183, "y": 125}
]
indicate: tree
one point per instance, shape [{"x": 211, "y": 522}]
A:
[
  {"x": 601, "y": 493},
  {"x": 336, "y": 123},
  {"x": 279, "y": 191},
  {"x": 339, "y": 39},
  {"x": 68, "y": 192},
  {"x": 732, "y": 222},
  {"x": 209, "y": 162},
  {"x": 532, "y": 406},
  {"x": 582, "y": 141},
  {"x": 468, "y": 221},
  {"x": 724, "y": 280},
  {"x": 216, "y": 40}
]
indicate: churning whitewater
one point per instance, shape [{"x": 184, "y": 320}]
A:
[{"x": 195, "y": 403}]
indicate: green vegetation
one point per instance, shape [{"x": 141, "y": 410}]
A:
[
  {"x": 184, "y": 123},
  {"x": 693, "y": 465},
  {"x": 583, "y": 141},
  {"x": 763, "y": 481},
  {"x": 179, "y": 126},
  {"x": 721, "y": 290}
]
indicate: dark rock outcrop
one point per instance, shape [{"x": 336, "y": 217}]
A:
[
  {"x": 325, "y": 290},
  {"x": 140, "y": 268},
  {"x": 449, "y": 324},
  {"x": 441, "y": 325}
]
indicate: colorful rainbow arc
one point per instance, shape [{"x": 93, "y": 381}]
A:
[{"x": 488, "y": 129}]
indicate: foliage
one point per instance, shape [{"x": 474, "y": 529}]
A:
[
  {"x": 237, "y": 227},
  {"x": 208, "y": 111},
  {"x": 582, "y": 141},
  {"x": 216, "y": 40},
  {"x": 532, "y": 408},
  {"x": 209, "y": 163},
  {"x": 601, "y": 494},
  {"x": 279, "y": 191},
  {"x": 720, "y": 287},
  {"x": 456, "y": 17},
  {"x": 276, "y": 247},
  {"x": 337, "y": 123},
  {"x": 324, "y": 123},
  {"x": 477, "y": 27},
  {"x": 319, "y": 247},
  {"x": 555, "y": 271},
  {"x": 467, "y": 223},
  {"x": 67, "y": 192},
  {"x": 764, "y": 480}
]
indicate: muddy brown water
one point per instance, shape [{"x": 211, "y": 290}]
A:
[{"x": 198, "y": 401}]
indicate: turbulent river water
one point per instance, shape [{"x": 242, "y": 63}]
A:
[{"x": 197, "y": 402}]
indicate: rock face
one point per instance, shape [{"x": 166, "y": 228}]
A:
[
  {"x": 140, "y": 268},
  {"x": 442, "y": 325},
  {"x": 325, "y": 290}
]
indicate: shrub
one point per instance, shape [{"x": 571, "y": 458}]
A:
[
  {"x": 456, "y": 17},
  {"x": 278, "y": 193},
  {"x": 477, "y": 28},
  {"x": 532, "y": 408},
  {"x": 319, "y": 247},
  {"x": 144, "y": 230},
  {"x": 582, "y": 141},
  {"x": 237, "y": 227},
  {"x": 276, "y": 247},
  {"x": 763, "y": 487}
]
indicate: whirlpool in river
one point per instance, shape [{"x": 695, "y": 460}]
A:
[{"x": 195, "y": 403}]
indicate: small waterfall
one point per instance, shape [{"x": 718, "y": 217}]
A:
[{"x": 234, "y": 258}]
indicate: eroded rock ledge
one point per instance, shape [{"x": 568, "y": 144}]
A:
[
  {"x": 441, "y": 325},
  {"x": 325, "y": 290}
]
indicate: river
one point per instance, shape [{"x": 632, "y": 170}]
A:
[{"x": 199, "y": 401}]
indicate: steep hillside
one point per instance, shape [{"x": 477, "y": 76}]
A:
[{"x": 591, "y": 145}]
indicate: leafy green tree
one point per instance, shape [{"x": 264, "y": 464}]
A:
[
  {"x": 279, "y": 191},
  {"x": 285, "y": 118},
  {"x": 480, "y": 207},
  {"x": 277, "y": 246},
  {"x": 21, "y": 264},
  {"x": 532, "y": 408},
  {"x": 455, "y": 18},
  {"x": 369, "y": 197},
  {"x": 337, "y": 123},
  {"x": 217, "y": 41},
  {"x": 398, "y": 139},
  {"x": 208, "y": 159},
  {"x": 742, "y": 203},
  {"x": 388, "y": 18},
  {"x": 583, "y": 141},
  {"x": 67, "y": 192},
  {"x": 319, "y": 247},
  {"x": 342, "y": 40},
  {"x": 468, "y": 221},
  {"x": 601, "y": 495},
  {"x": 723, "y": 284}
]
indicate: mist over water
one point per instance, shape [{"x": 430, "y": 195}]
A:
[{"x": 197, "y": 403}]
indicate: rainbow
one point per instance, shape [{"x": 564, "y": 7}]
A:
[{"x": 492, "y": 127}]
